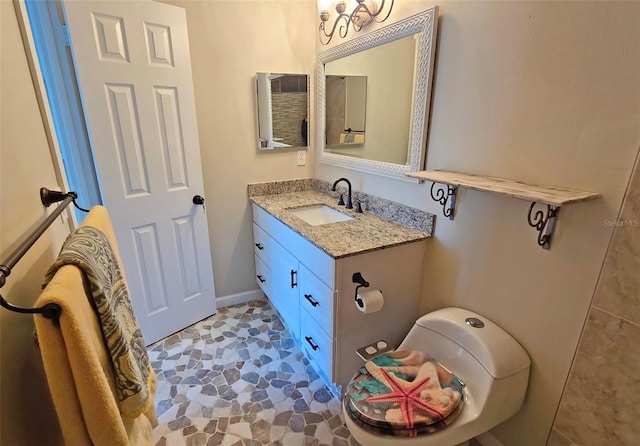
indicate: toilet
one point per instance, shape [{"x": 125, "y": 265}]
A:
[{"x": 462, "y": 373}]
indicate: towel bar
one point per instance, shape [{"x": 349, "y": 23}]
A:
[{"x": 50, "y": 311}]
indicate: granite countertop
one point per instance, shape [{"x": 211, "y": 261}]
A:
[{"x": 366, "y": 232}]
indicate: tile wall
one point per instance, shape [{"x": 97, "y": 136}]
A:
[
  {"x": 289, "y": 109},
  {"x": 601, "y": 403}
]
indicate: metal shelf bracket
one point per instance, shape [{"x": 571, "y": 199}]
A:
[
  {"x": 442, "y": 197},
  {"x": 544, "y": 223}
]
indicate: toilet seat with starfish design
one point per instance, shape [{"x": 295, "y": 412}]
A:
[{"x": 404, "y": 393}]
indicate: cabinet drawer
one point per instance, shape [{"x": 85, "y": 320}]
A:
[
  {"x": 316, "y": 344},
  {"x": 263, "y": 277},
  {"x": 261, "y": 243},
  {"x": 317, "y": 299}
]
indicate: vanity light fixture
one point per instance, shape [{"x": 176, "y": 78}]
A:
[{"x": 362, "y": 15}]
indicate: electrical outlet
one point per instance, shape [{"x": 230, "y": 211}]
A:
[{"x": 302, "y": 157}]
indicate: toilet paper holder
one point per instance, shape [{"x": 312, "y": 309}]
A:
[{"x": 357, "y": 278}]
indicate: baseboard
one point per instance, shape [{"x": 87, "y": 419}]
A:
[
  {"x": 240, "y": 298},
  {"x": 487, "y": 439}
]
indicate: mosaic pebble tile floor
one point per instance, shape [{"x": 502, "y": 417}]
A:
[{"x": 238, "y": 378}]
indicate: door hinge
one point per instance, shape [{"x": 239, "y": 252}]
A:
[{"x": 63, "y": 35}]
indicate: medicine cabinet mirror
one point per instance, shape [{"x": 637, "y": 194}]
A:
[
  {"x": 397, "y": 62},
  {"x": 282, "y": 110}
]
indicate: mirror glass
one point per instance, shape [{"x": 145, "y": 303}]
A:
[
  {"x": 346, "y": 111},
  {"x": 388, "y": 117},
  {"x": 283, "y": 110}
]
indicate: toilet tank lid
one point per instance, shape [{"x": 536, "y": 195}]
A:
[{"x": 494, "y": 348}]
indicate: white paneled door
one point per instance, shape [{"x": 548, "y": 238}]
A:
[{"x": 134, "y": 73}]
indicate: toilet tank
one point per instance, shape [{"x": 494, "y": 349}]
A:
[{"x": 437, "y": 333}]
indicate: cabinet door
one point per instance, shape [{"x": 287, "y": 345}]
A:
[{"x": 284, "y": 287}]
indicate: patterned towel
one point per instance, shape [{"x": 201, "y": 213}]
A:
[
  {"x": 349, "y": 138},
  {"x": 88, "y": 249}
]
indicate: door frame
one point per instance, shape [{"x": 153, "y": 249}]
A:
[{"x": 66, "y": 95}]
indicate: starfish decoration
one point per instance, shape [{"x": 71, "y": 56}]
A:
[{"x": 406, "y": 396}]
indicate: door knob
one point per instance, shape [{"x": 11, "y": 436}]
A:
[{"x": 198, "y": 199}]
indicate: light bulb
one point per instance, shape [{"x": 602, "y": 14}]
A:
[{"x": 323, "y": 6}]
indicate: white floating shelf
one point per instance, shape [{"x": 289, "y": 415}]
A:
[{"x": 553, "y": 197}]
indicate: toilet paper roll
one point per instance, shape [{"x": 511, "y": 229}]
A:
[{"x": 369, "y": 301}]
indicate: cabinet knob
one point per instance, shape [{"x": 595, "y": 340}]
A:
[{"x": 309, "y": 339}]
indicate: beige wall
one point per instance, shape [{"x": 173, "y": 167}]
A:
[
  {"x": 601, "y": 403},
  {"x": 230, "y": 41},
  {"x": 27, "y": 415},
  {"x": 543, "y": 92}
]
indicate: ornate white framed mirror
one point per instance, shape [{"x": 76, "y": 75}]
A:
[{"x": 397, "y": 61}]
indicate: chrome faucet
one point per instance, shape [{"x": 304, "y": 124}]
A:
[{"x": 349, "y": 204}]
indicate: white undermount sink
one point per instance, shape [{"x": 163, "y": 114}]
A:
[{"x": 319, "y": 214}]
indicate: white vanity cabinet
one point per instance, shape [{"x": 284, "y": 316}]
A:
[{"x": 315, "y": 294}]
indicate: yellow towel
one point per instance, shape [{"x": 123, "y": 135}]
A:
[
  {"x": 352, "y": 138},
  {"x": 88, "y": 249},
  {"x": 78, "y": 366}
]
